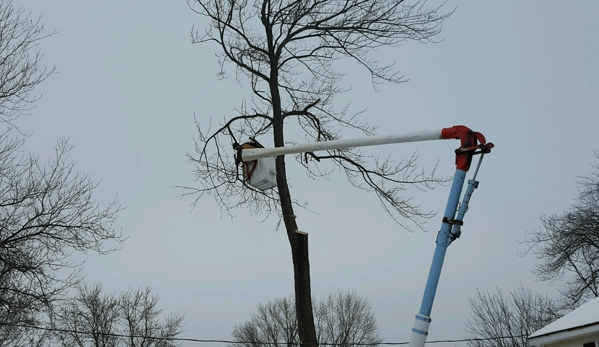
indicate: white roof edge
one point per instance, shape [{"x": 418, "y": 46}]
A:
[
  {"x": 562, "y": 335},
  {"x": 585, "y": 315}
]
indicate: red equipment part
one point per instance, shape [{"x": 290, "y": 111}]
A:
[{"x": 470, "y": 142}]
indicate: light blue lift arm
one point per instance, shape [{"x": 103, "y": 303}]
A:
[{"x": 451, "y": 226}]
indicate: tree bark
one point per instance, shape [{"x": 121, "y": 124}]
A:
[
  {"x": 297, "y": 241},
  {"x": 301, "y": 262}
]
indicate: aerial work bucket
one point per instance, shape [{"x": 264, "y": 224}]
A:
[{"x": 261, "y": 173}]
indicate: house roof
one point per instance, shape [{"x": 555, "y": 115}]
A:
[{"x": 583, "y": 320}]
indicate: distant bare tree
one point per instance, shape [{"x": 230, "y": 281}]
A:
[
  {"x": 20, "y": 64},
  {"x": 132, "y": 319},
  {"x": 567, "y": 245},
  {"x": 507, "y": 321},
  {"x": 273, "y": 324},
  {"x": 287, "y": 51},
  {"x": 344, "y": 319},
  {"x": 142, "y": 323},
  {"x": 91, "y": 319}
]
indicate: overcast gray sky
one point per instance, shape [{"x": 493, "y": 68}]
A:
[{"x": 129, "y": 82}]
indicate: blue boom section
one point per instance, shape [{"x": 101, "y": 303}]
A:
[
  {"x": 450, "y": 230},
  {"x": 443, "y": 240}
]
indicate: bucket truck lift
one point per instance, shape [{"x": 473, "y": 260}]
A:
[{"x": 471, "y": 143}]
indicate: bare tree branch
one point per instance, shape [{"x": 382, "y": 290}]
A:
[
  {"x": 507, "y": 321},
  {"x": 20, "y": 62},
  {"x": 344, "y": 319},
  {"x": 47, "y": 213},
  {"x": 131, "y": 319},
  {"x": 567, "y": 245}
]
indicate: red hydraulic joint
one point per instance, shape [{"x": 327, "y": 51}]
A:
[{"x": 471, "y": 143}]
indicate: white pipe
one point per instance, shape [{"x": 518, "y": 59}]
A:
[
  {"x": 420, "y": 331},
  {"x": 259, "y": 153}
]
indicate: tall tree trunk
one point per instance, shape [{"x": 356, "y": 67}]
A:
[
  {"x": 301, "y": 262},
  {"x": 298, "y": 241}
]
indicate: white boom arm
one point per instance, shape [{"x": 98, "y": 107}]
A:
[{"x": 259, "y": 153}]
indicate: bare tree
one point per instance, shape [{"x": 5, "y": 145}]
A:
[
  {"x": 344, "y": 319},
  {"x": 142, "y": 320},
  {"x": 287, "y": 50},
  {"x": 89, "y": 319},
  {"x": 47, "y": 211},
  {"x": 20, "y": 63},
  {"x": 273, "y": 324},
  {"x": 132, "y": 319},
  {"x": 567, "y": 244},
  {"x": 507, "y": 321}
]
